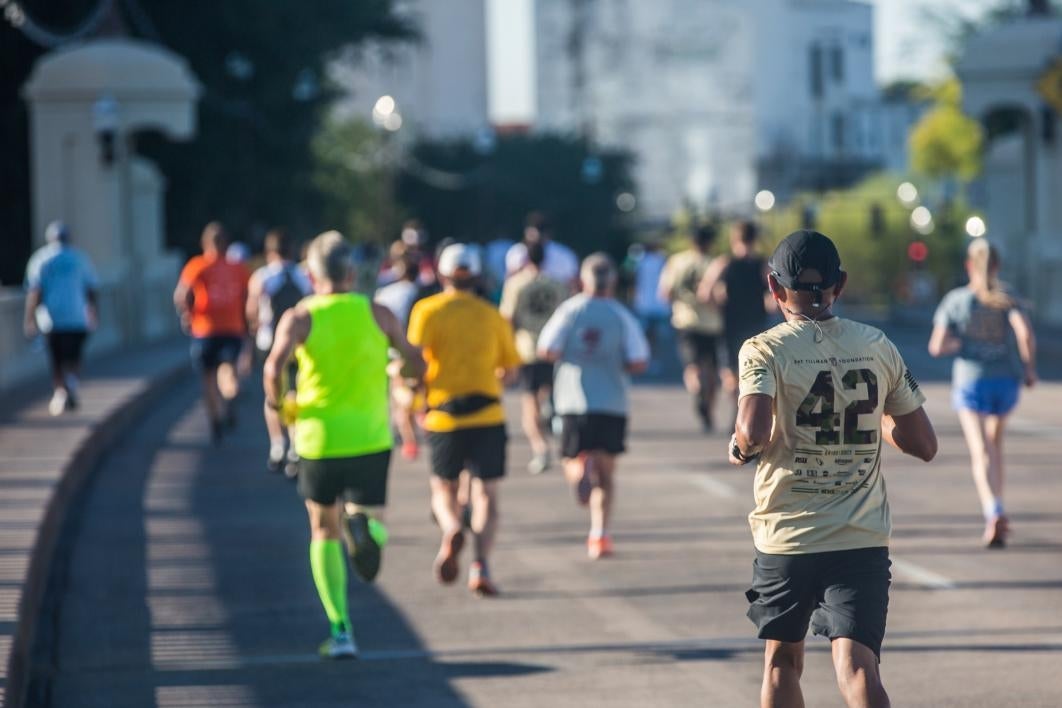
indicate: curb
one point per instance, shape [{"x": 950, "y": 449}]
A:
[{"x": 75, "y": 473}]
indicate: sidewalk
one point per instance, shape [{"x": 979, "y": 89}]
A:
[{"x": 44, "y": 463}]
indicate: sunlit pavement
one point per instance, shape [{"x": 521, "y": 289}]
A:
[{"x": 189, "y": 583}]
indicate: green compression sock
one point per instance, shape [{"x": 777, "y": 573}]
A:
[
  {"x": 329, "y": 567},
  {"x": 378, "y": 532}
]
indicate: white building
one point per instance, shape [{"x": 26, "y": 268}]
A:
[
  {"x": 439, "y": 84},
  {"x": 717, "y": 98}
]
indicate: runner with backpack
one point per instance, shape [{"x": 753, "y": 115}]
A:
[{"x": 274, "y": 289}]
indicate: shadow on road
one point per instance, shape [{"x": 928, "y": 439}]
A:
[{"x": 185, "y": 581}]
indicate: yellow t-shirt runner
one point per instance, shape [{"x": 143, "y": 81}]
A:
[
  {"x": 818, "y": 483},
  {"x": 465, "y": 342}
]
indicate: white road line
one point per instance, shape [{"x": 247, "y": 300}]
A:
[
  {"x": 714, "y": 486},
  {"x": 1031, "y": 427},
  {"x": 922, "y": 576}
]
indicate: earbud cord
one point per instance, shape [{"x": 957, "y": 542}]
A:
[{"x": 819, "y": 336}]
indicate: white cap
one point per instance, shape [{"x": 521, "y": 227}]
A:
[
  {"x": 458, "y": 256},
  {"x": 57, "y": 232}
]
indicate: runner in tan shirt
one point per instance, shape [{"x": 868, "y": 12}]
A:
[{"x": 818, "y": 395}]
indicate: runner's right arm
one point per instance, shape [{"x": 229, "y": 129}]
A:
[
  {"x": 292, "y": 330},
  {"x": 413, "y": 366}
]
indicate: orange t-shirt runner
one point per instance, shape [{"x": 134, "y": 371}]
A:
[{"x": 219, "y": 292}]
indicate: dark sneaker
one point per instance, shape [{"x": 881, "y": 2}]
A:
[
  {"x": 362, "y": 546},
  {"x": 446, "y": 566},
  {"x": 585, "y": 485},
  {"x": 996, "y": 531}
]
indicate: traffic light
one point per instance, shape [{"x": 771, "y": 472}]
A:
[{"x": 917, "y": 251}]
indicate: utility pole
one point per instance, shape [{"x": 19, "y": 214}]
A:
[{"x": 580, "y": 10}]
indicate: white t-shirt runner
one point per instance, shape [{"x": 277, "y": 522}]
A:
[
  {"x": 819, "y": 485},
  {"x": 596, "y": 339}
]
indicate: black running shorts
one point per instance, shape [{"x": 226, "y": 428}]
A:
[
  {"x": 698, "y": 348},
  {"x": 839, "y": 593},
  {"x": 361, "y": 479},
  {"x": 592, "y": 432},
  {"x": 481, "y": 451},
  {"x": 211, "y": 352},
  {"x": 536, "y": 376},
  {"x": 65, "y": 347}
]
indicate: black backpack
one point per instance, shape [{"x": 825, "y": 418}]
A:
[{"x": 286, "y": 296}]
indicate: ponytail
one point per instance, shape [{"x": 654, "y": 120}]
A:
[{"x": 982, "y": 261}]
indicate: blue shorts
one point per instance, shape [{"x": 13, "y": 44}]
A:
[{"x": 987, "y": 396}]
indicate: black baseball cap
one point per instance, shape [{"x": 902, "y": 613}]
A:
[{"x": 806, "y": 250}]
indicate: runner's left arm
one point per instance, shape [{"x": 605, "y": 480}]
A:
[
  {"x": 292, "y": 330},
  {"x": 413, "y": 366}
]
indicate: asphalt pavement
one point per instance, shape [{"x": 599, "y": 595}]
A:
[{"x": 188, "y": 581}]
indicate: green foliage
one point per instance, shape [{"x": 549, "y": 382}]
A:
[
  {"x": 466, "y": 194},
  {"x": 877, "y": 264},
  {"x": 252, "y": 164},
  {"x": 945, "y": 143},
  {"x": 353, "y": 172}
]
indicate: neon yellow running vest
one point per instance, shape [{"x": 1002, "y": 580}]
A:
[{"x": 342, "y": 387}]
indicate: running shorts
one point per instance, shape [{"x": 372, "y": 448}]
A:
[
  {"x": 536, "y": 376},
  {"x": 65, "y": 347},
  {"x": 361, "y": 479},
  {"x": 590, "y": 432},
  {"x": 987, "y": 396},
  {"x": 839, "y": 593},
  {"x": 481, "y": 451},
  {"x": 211, "y": 352},
  {"x": 698, "y": 348}
]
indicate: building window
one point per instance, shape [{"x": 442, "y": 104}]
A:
[
  {"x": 815, "y": 67},
  {"x": 837, "y": 136},
  {"x": 837, "y": 63}
]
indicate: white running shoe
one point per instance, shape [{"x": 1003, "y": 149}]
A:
[
  {"x": 338, "y": 646},
  {"x": 539, "y": 464},
  {"x": 57, "y": 405}
]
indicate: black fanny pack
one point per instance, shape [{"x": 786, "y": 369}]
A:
[{"x": 467, "y": 405}]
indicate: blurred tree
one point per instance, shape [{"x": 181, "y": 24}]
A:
[
  {"x": 872, "y": 230},
  {"x": 263, "y": 68},
  {"x": 354, "y": 172},
  {"x": 461, "y": 190},
  {"x": 945, "y": 143}
]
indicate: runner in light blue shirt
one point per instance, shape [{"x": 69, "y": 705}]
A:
[{"x": 61, "y": 289}]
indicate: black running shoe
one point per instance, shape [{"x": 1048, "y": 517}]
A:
[{"x": 362, "y": 547}]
